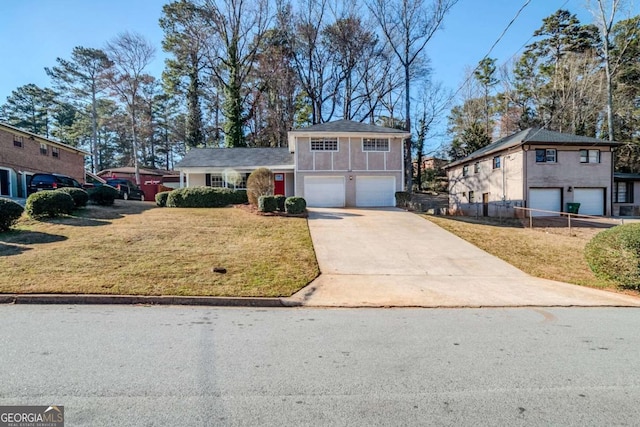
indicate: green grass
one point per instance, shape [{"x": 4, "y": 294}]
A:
[{"x": 137, "y": 249}]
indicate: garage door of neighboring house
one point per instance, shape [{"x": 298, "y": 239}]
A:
[
  {"x": 375, "y": 191},
  {"x": 324, "y": 191},
  {"x": 547, "y": 199},
  {"x": 591, "y": 200}
]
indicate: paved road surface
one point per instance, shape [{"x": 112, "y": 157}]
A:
[{"x": 194, "y": 366}]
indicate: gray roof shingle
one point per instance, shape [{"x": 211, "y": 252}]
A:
[
  {"x": 348, "y": 126},
  {"x": 236, "y": 158}
]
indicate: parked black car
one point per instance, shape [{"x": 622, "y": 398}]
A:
[
  {"x": 127, "y": 189},
  {"x": 50, "y": 181}
]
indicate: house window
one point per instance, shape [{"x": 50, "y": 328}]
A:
[
  {"x": 623, "y": 192},
  {"x": 55, "y": 152},
  {"x": 44, "y": 150},
  {"x": 476, "y": 167},
  {"x": 373, "y": 144},
  {"x": 215, "y": 180},
  {"x": 465, "y": 170},
  {"x": 471, "y": 197},
  {"x": 18, "y": 141},
  {"x": 496, "y": 162},
  {"x": 234, "y": 182},
  {"x": 589, "y": 156},
  {"x": 324, "y": 144},
  {"x": 545, "y": 155}
]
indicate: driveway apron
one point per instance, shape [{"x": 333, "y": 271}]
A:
[{"x": 390, "y": 257}]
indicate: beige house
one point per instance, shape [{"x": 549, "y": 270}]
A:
[
  {"x": 537, "y": 169},
  {"x": 335, "y": 164}
]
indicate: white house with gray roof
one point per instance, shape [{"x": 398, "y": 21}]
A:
[
  {"x": 537, "y": 169},
  {"x": 335, "y": 164}
]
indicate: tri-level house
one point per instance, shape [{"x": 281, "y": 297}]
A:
[
  {"x": 538, "y": 169},
  {"x": 334, "y": 164},
  {"x": 24, "y": 153}
]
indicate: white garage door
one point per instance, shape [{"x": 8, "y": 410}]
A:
[
  {"x": 324, "y": 191},
  {"x": 375, "y": 191},
  {"x": 591, "y": 200},
  {"x": 547, "y": 199}
]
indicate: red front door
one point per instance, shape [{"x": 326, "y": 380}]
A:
[{"x": 278, "y": 184}]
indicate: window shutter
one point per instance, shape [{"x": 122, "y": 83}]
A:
[{"x": 207, "y": 180}]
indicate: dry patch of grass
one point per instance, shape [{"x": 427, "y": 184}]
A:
[
  {"x": 549, "y": 253},
  {"x": 135, "y": 248}
]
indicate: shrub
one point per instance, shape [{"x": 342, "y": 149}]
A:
[
  {"x": 161, "y": 198},
  {"x": 203, "y": 197},
  {"x": 239, "y": 197},
  {"x": 614, "y": 254},
  {"x": 103, "y": 195},
  {"x": 10, "y": 212},
  {"x": 79, "y": 196},
  {"x": 49, "y": 203},
  {"x": 259, "y": 183},
  {"x": 280, "y": 199},
  {"x": 267, "y": 204},
  {"x": 402, "y": 199},
  {"x": 295, "y": 205}
]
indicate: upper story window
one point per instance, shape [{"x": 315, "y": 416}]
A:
[
  {"x": 375, "y": 144},
  {"x": 465, "y": 170},
  {"x": 44, "y": 150},
  {"x": 589, "y": 156},
  {"x": 496, "y": 162},
  {"x": 548, "y": 155},
  {"x": 476, "y": 167},
  {"x": 18, "y": 141},
  {"x": 324, "y": 144},
  {"x": 55, "y": 152}
]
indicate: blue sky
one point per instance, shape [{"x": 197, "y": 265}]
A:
[{"x": 35, "y": 32}]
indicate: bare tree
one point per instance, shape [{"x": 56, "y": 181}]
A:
[
  {"x": 131, "y": 53},
  {"x": 408, "y": 25}
]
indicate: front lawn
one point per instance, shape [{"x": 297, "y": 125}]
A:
[
  {"x": 137, "y": 249},
  {"x": 549, "y": 253}
]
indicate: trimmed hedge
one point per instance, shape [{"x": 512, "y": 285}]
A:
[
  {"x": 204, "y": 197},
  {"x": 295, "y": 205},
  {"x": 161, "y": 198},
  {"x": 103, "y": 195},
  {"x": 10, "y": 212},
  {"x": 614, "y": 254},
  {"x": 79, "y": 196},
  {"x": 267, "y": 204},
  {"x": 402, "y": 198},
  {"x": 280, "y": 199},
  {"x": 49, "y": 203}
]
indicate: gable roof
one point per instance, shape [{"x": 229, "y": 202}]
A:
[
  {"x": 533, "y": 136},
  {"x": 37, "y": 137},
  {"x": 237, "y": 158},
  {"x": 349, "y": 126}
]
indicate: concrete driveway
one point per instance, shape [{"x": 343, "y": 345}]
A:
[{"x": 389, "y": 257}]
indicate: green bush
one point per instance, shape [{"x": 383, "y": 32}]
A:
[
  {"x": 79, "y": 196},
  {"x": 103, "y": 195},
  {"x": 259, "y": 183},
  {"x": 295, "y": 205},
  {"x": 10, "y": 212},
  {"x": 614, "y": 254},
  {"x": 49, "y": 203},
  {"x": 267, "y": 204},
  {"x": 204, "y": 197},
  {"x": 280, "y": 199},
  {"x": 402, "y": 198},
  {"x": 161, "y": 198}
]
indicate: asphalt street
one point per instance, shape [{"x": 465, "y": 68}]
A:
[{"x": 201, "y": 366}]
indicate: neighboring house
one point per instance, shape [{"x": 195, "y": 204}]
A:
[
  {"x": 23, "y": 154},
  {"x": 152, "y": 181},
  {"x": 625, "y": 188},
  {"x": 537, "y": 169},
  {"x": 335, "y": 164}
]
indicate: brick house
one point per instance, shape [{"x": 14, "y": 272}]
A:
[{"x": 24, "y": 153}]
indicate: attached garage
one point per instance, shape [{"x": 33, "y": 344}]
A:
[
  {"x": 375, "y": 191},
  {"x": 591, "y": 200},
  {"x": 324, "y": 191},
  {"x": 547, "y": 199}
]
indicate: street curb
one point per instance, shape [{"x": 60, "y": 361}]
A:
[{"x": 143, "y": 299}]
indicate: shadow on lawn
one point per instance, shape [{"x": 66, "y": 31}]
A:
[
  {"x": 11, "y": 242},
  {"x": 9, "y": 250}
]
